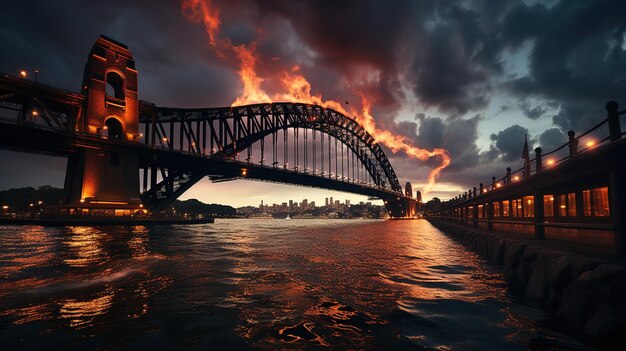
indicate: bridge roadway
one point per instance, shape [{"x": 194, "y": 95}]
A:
[{"x": 32, "y": 138}]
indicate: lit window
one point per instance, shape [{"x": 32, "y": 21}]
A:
[
  {"x": 586, "y": 203},
  {"x": 548, "y": 206},
  {"x": 496, "y": 209},
  {"x": 516, "y": 207},
  {"x": 562, "y": 205},
  {"x": 596, "y": 202},
  {"x": 470, "y": 212},
  {"x": 571, "y": 205},
  {"x": 505, "y": 208},
  {"x": 528, "y": 203},
  {"x": 480, "y": 211}
]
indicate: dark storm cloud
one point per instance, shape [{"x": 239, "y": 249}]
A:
[
  {"x": 535, "y": 112},
  {"x": 57, "y": 36},
  {"x": 578, "y": 58},
  {"x": 551, "y": 139},
  {"x": 507, "y": 142},
  {"x": 447, "y": 55}
]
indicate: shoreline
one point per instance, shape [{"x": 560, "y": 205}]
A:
[
  {"x": 583, "y": 294},
  {"x": 107, "y": 221}
]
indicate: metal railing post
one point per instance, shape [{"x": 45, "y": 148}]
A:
[
  {"x": 615, "y": 130},
  {"x": 538, "y": 163},
  {"x": 490, "y": 215},
  {"x": 572, "y": 143}
]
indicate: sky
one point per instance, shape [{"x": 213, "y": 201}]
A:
[{"x": 468, "y": 77}]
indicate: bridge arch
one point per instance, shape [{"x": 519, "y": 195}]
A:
[{"x": 231, "y": 130}]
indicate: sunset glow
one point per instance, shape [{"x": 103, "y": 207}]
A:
[{"x": 295, "y": 87}]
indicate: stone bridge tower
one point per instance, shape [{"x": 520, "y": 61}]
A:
[{"x": 105, "y": 181}]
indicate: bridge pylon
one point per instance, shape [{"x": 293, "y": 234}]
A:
[
  {"x": 106, "y": 178},
  {"x": 402, "y": 207}
]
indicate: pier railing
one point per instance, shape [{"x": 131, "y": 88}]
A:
[{"x": 576, "y": 191}]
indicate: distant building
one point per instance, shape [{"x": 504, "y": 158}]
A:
[
  {"x": 331, "y": 201},
  {"x": 290, "y": 203},
  {"x": 408, "y": 189},
  {"x": 347, "y": 202},
  {"x": 326, "y": 202},
  {"x": 418, "y": 195},
  {"x": 261, "y": 205},
  {"x": 337, "y": 203}
]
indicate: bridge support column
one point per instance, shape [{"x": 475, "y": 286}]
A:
[
  {"x": 107, "y": 180},
  {"x": 489, "y": 215},
  {"x": 475, "y": 214},
  {"x": 617, "y": 181},
  {"x": 540, "y": 230}
]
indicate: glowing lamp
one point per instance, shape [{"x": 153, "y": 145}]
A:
[
  {"x": 244, "y": 172},
  {"x": 590, "y": 143},
  {"x": 23, "y": 74},
  {"x": 5, "y": 207},
  {"x": 516, "y": 178},
  {"x": 35, "y": 113},
  {"x": 498, "y": 185},
  {"x": 141, "y": 205},
  {"x": 550, "y": 162}
]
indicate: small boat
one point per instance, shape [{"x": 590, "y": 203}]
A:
[{"x": 288, "y": 217}]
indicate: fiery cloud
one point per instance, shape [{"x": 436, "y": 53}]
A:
[{"x": 295, "y": 87}]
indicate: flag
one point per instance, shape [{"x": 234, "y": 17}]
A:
[{"x": 526, "y": 157}]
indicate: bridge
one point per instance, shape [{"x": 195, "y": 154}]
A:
[{"x": 125, "y": 154}]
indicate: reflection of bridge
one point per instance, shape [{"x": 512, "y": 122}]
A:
[{"x": 109, "y": 135}]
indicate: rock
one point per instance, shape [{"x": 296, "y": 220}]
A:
[
  {"x": 538, "y": 287},
  {"x": 577, "y": 301},
  {"x": 512, "y": 254}
]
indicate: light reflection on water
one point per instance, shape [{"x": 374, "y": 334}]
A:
[{"x": 266, "y": 284}]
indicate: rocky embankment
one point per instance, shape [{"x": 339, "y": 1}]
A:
[{"x": 585, "y": 296}]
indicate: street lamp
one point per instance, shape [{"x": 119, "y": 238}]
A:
[{"x": 23, "y": 74}]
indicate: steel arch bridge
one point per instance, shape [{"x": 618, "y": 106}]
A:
[
  {"x": 291, "y": 143},
  {"x": 321, "y": 142}
]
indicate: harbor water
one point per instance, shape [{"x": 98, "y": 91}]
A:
[{"x": 258, "y": 284}]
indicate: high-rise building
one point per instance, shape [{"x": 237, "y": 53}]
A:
[
  {"x": 331, "y": 201},
  {"x": 408, "y": 189},
  {"x": 261, "y": 205},
  {"x": 290, "y": 203},
  {"x": 347, "y": 202},
  {"x": 326, "y": 202},
  {"x": 418, "y": 195},
  {"x": 337, "y": 203}
]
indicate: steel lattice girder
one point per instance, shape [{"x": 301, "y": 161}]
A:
[{"x": 233, "y": 129}]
